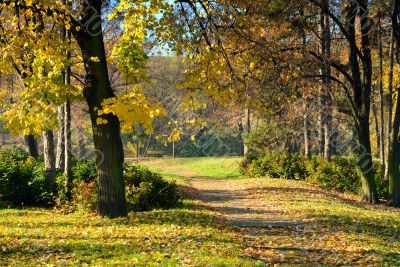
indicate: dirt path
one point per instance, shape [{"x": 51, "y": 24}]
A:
[{"x": 239, "y": 206}]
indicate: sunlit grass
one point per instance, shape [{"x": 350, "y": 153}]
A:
[{"x": 223, "y": 167}]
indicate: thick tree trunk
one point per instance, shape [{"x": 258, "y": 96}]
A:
[
  {"x": 106, "y": 137},
  {"x": 393, "y": 172},
  {"x": 60, "y": 141},
  {"x": 31, "y": 143},
  {"x": 49, "y": 157},
  {"x": 394, "y": 160}
]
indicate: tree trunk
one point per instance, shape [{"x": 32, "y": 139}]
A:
[
  {"x": 68, "y": 150},
  {"x": 393, "y": 172},
  {"x": 60, "y": 141},
  {"x": 49, "y": 157},
  {"x": 80, "y": 143},
  {"x": 389, "y": 104},
  {"x": 3, "y": 134},
  {"x": 106, "y": 137},
  {"x": 362, "y": 83},
  {"x": 326, "y": 110},
  {"x": 241, "y": 141},
  {"x": 306, "y": 132},
  {"x": 376, "y": 122},
  {"x": 381, "y": 104},
  {"x": 67, "y": 133},
  {"x": 31, "y": 143}
]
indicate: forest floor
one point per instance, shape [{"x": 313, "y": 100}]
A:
[{"x": 227, "y": 220}]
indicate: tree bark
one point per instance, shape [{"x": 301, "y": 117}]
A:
[
  {"x": 31, "y": 143},
  {"x": 49, "y": 157},
  {"x": 106, "y": 137}
]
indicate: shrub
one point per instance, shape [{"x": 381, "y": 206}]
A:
[
  {"x": 146, "y": 190},
  {"x": 85, "y": 196},
  {"x": 340, "y": 174},
  {"x": 246, "y": 162},
  {"x": 84, "y": 171},
  {"x": 22, "y": 180},
  {"x": 279, "y": 165}
]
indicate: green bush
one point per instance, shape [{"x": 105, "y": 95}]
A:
[
  {"x": 279, "y": 165},
  {"x": 84, "y": 171},
  {"x": 146, "y": 190},
  {"x": 340, "y": 173},
  {"x": 22, "y": 180}
]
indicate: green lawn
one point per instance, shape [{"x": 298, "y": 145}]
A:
[{"x": 225, "y": 167}]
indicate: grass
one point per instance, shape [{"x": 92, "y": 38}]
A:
[
  {"x": 226, "y": 167},
  {"x": 158, "y": 238}
]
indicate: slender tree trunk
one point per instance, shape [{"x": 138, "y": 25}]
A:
[
  {"x": 327, "y": 72},
  {"x": 49, "y": 157},
  {"x": 376, "y": 122},
  {"x": 241, "y": 141},
  {"x": 60, "y": 141},
  {"x": 3, "y": 133},
  {"x": 381, "y": 104},
  {"x": 248, "y": 127},
  {"x": 106, "y": 137},
  {"x": 67, "y": 133},
  {"x": 68, "y": 151},
  {"x": 306, "y": 131},
  {"x": 389, "y": 104},
  {"x": 80, "y": 143},
  {"x": 31, "y": 143}
]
